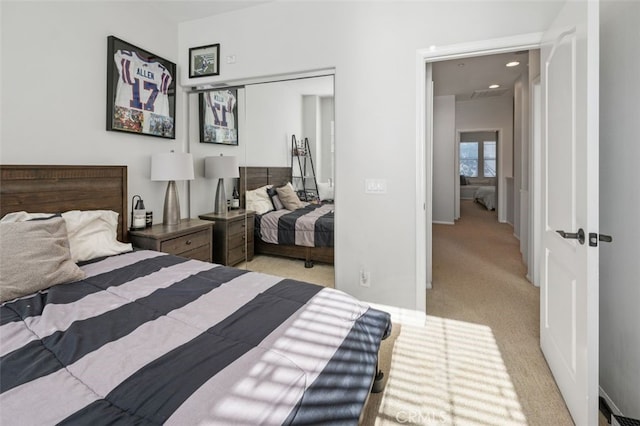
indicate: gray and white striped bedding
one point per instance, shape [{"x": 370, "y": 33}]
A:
[
  {"x": 151, "y": 338},
  {"x": 309, "y": 226}
]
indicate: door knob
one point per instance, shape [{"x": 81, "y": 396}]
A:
[{"x": 580, "y": 235}]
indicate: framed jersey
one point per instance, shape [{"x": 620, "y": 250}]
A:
[
  {"x": 219, "y": 116},
  {"x": 141, "y": 91}
]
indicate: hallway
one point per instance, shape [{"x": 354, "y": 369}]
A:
[{"x": 479, "y": 277}]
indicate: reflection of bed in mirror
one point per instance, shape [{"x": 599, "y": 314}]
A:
[{"x": 252, "y": 178}]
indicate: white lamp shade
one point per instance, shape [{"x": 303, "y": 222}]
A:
[
  {"x": 221, "y": 167},
  {"x": 172, "y": 166}
]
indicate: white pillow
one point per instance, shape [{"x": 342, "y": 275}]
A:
[
  {"x": 325, "y": 191},
  {"x": 258, "y": 200},
  {"x": 91, "y": 233}
]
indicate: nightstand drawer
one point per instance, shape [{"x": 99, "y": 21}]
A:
[
  {"x": 237, "y": 227},
  {"x": 201, "y": 253},
  {"x": 186, "y": 243},
  {"x": 232, "y": 236},
  {"x": 237, "y": 254}
]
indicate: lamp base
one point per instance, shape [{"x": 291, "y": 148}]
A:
[
  {"x": 220, "y": 205},
  {"x": 171, "y": 212}
]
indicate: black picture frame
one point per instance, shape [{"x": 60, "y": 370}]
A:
[
  {"x": 141, "y": 91},
  {"x": 218, "y": 112},
  {"x": 204, "y": 61}
]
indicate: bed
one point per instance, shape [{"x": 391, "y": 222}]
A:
[
  {"x": 285, "y": 239},
  {"x": 486, "y": 195},
  {"x": 144, "y": 337}
]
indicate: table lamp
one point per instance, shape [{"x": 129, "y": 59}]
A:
[
  {"x": 171, "y": 166},
  {"x": 220, "y": 168}
]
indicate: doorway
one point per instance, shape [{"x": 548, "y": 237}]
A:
[{"x": 476, "y": 162}]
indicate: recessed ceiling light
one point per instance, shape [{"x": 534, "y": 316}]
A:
[
  {"x": 494, "y": 86},
  {"x": 513, "y": 64}
]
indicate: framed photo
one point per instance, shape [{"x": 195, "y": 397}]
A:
[
  {"x": 141, "y": 91},
  {"x": 204, "y": 61},
  {"x": 219, "y": 116}
]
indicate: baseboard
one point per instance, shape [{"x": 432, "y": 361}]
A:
[
  {"x": 610, "y": 405},
  {"x": 441, "y": 222}
]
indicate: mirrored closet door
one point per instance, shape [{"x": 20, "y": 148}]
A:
[{"x": 285, "y": 141}]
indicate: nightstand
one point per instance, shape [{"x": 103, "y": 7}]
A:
[
  {"x": 190, "y": 238},
  {"x": 232, "y": 236}
]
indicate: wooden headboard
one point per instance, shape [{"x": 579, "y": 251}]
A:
[
  {"x": 255, "y": 177},
  {"x": 56, "y": 189}
]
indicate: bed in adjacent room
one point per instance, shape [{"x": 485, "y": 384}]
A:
[
  {"x": 486, "y": 195},
  {"x": 104, "y": 335},
  {"x": 284, "y": 225}
]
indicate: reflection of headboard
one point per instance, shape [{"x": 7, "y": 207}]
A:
[
  {"x": 44, "y": 189},
  {"x": 255, "y": 177}
]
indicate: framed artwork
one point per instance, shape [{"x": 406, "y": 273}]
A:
[
  {"x": 141, "y": 91},
  {"x": 204, "y": 61},
  {"x": 219, "y": 116}
]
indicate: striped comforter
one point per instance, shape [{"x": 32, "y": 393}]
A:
[
  {"x": 309, "y": 226},
  {"x": 150, "y": 338}
]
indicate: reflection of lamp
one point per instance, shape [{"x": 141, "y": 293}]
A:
[
  {"x": 171, "y": 166},
  {"x": 138, "y": 214},
  {"x": 220, "y": 168}
]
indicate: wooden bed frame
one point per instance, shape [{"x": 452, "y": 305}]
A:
[
  {"x": 255, "y": 177},
  {"x": 56, "y": 189}
]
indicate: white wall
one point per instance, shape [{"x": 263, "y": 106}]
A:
[
  {"x": 494, "y": 113},
  {"x": 620, "y": 205},
  {"x": 327, "y": 113},
  {"x": 54, "y": 89},
  {"x": 444, "y": 150},
  {"x": 274, "y": 113},
  {"x": 372, "y": 46}
]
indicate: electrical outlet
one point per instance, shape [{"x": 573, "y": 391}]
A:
[{"x": 365, "y": 278}]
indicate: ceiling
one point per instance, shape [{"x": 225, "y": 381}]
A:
[{"x": 463, "y": 77}]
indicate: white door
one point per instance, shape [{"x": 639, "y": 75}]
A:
[{"x": 569, "y": 268}]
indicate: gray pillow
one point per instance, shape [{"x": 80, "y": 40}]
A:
[
  {"x": 289, "y": 198},
  {"x": 35, "y": 255}
]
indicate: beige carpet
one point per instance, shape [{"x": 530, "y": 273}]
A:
[
  {"x": 479, "y": 280},
  {"x": 475, "y": 358},
  {"x": 321, "y": 273}
]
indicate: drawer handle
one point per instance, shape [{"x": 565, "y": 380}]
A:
[{"x": 188, "y": 242}]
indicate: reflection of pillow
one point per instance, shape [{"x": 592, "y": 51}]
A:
[
  {"x": 91, "y": 233},
  {"x": 275, "y": 200},
  {"x": 325, "y": 191},
  {"x": 289, "y": 198},
  {"x": 258, "y": 200},
  {"x": 35, "y": 255}
]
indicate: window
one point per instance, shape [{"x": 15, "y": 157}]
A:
[
  {"x": 478, "y": 154},
  {"x": 469, "y": 159},
  {"x": 489, "y": 158}
]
